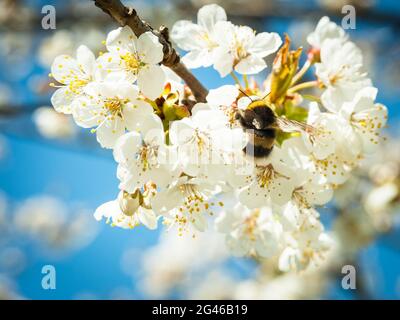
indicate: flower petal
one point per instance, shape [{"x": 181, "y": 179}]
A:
[
  {"x": 127, "y": 146},
  {"x": 62, "y": 100},
  {"x": 111, "y": 68},
  {"x": 135, "y": 115},
  {"x": 251, "y": 65},
  {"x": 148, "y": 218},
  {"x": 109, "y": 132},
  {"x": 152, "y": 130},
  {"x": 265, "y": 43},
  {"x": 65, "y": 68},
  {"x": 181, "y": 131},
  {"x": 126, "y": 90},
  {"x": 223, "y": 96},
  {"x": 151, "y": 81},
  {"x": 107, "y": 210},
  {"x": 121, "y": 40},
  {"x": 209, "y": 15},
  {"x": 86, "y": 59},
  {"x": 166, "y": 200},
  {"x": 223, "y": 62},
  {"x": 198, "y": 58},
  {"x": 86, "y": 112},
  {"x": 186, "y": 35},
  {"x": 150, "y": 48}
]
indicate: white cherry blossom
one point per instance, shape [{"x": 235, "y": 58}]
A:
[
  {"x": 240, "y": 49},
  {"x": 203, "y": 139},
  {"x": 341, "y": 71},
  {"x": 311, "y": 188},
  {"x": 111, "y": 108},
  {"x": 334, "y": 146},
  {"x": 315, "y": 176},
  {"x": 271, "y": 181},
  {"x": 127, "y": 212},
  {"x": 330, "y": 133},
  {"x": 366, "y": 117},
  {"x": 308, "y": 243},
  {"x": 74, "y": 75},
  {"x": 187, "y": 202},
  {"x": 200, "y": 40},
  {"x": 144, "y": 157},
  {"x": 250, "y": 232},
  {"x": 324, "y": 30},
  {"x": 131, "y": 58},
  {"x": 224, "y": 98}
]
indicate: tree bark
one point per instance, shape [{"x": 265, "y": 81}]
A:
[{"x": 129, "y": 17}]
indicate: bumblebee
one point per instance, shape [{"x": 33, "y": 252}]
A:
[{"x": 262, "y": 124}]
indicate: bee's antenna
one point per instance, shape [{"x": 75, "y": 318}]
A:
[
  {"x": 246, "y": 95},
  {"x": 266, "y": 95}
]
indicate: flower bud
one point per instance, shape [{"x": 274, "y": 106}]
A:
[
  {"x": 283, "y": 70},
  {"x": 129, "y": 203},
  {"x": 172, "y": 110}
]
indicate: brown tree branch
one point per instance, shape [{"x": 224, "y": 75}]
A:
[{"x": 129, "y": 17}]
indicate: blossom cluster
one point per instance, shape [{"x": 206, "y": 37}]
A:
[
  {"x": 198, "y": 269},
  {"x": 368, "y": 203},
  {"x": 193, "y": 165}
]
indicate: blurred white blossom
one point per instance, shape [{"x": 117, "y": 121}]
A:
[
  {"x": 181, "y": 257},
  {"x": 53, "y": 125},
  {"x": 47, "y": 220}
]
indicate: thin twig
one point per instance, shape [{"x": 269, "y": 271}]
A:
[
  {"x": 302, "y": 72},
  {"x": 128, "y": 17},
  {"x": 303, "y": 85}
]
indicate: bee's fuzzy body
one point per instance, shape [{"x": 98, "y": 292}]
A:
[
  {"x": 259, "y": 121},
  {"x": 261, "y": 143}
]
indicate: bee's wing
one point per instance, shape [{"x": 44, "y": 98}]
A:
[{"x": 288, "y": 125}]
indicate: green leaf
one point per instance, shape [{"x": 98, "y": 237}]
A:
[{"x": 295, "y": 112}]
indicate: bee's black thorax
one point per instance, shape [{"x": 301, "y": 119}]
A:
[{"x": 260, "y": 117}]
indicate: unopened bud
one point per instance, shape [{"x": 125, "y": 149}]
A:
[
  {"x": 129, "y": 203},
  {"x": 283, "y": 70}
]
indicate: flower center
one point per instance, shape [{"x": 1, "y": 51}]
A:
[
  {"x": 300, "y": 197},
  {"x": 195, "y": 204},
  {"x": 75, "y": 86},
  {"x": 132, "y": 62},
  {"x": 264, "y": 175},
  {"x": 251, "y": 224},
  {"x": 318, "y": 135},
  {"x": 148, "y": 154},
  {"x": 113, "y": 106},
  {"x": 192, "y": 196},
  {"x": 342, "y": 73},
  {"x": 241, "y": 52},
  {"x": 367, "y": 124},
  {"x": 209, "y": 42},
  {"x": 201, "y": 140}
]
